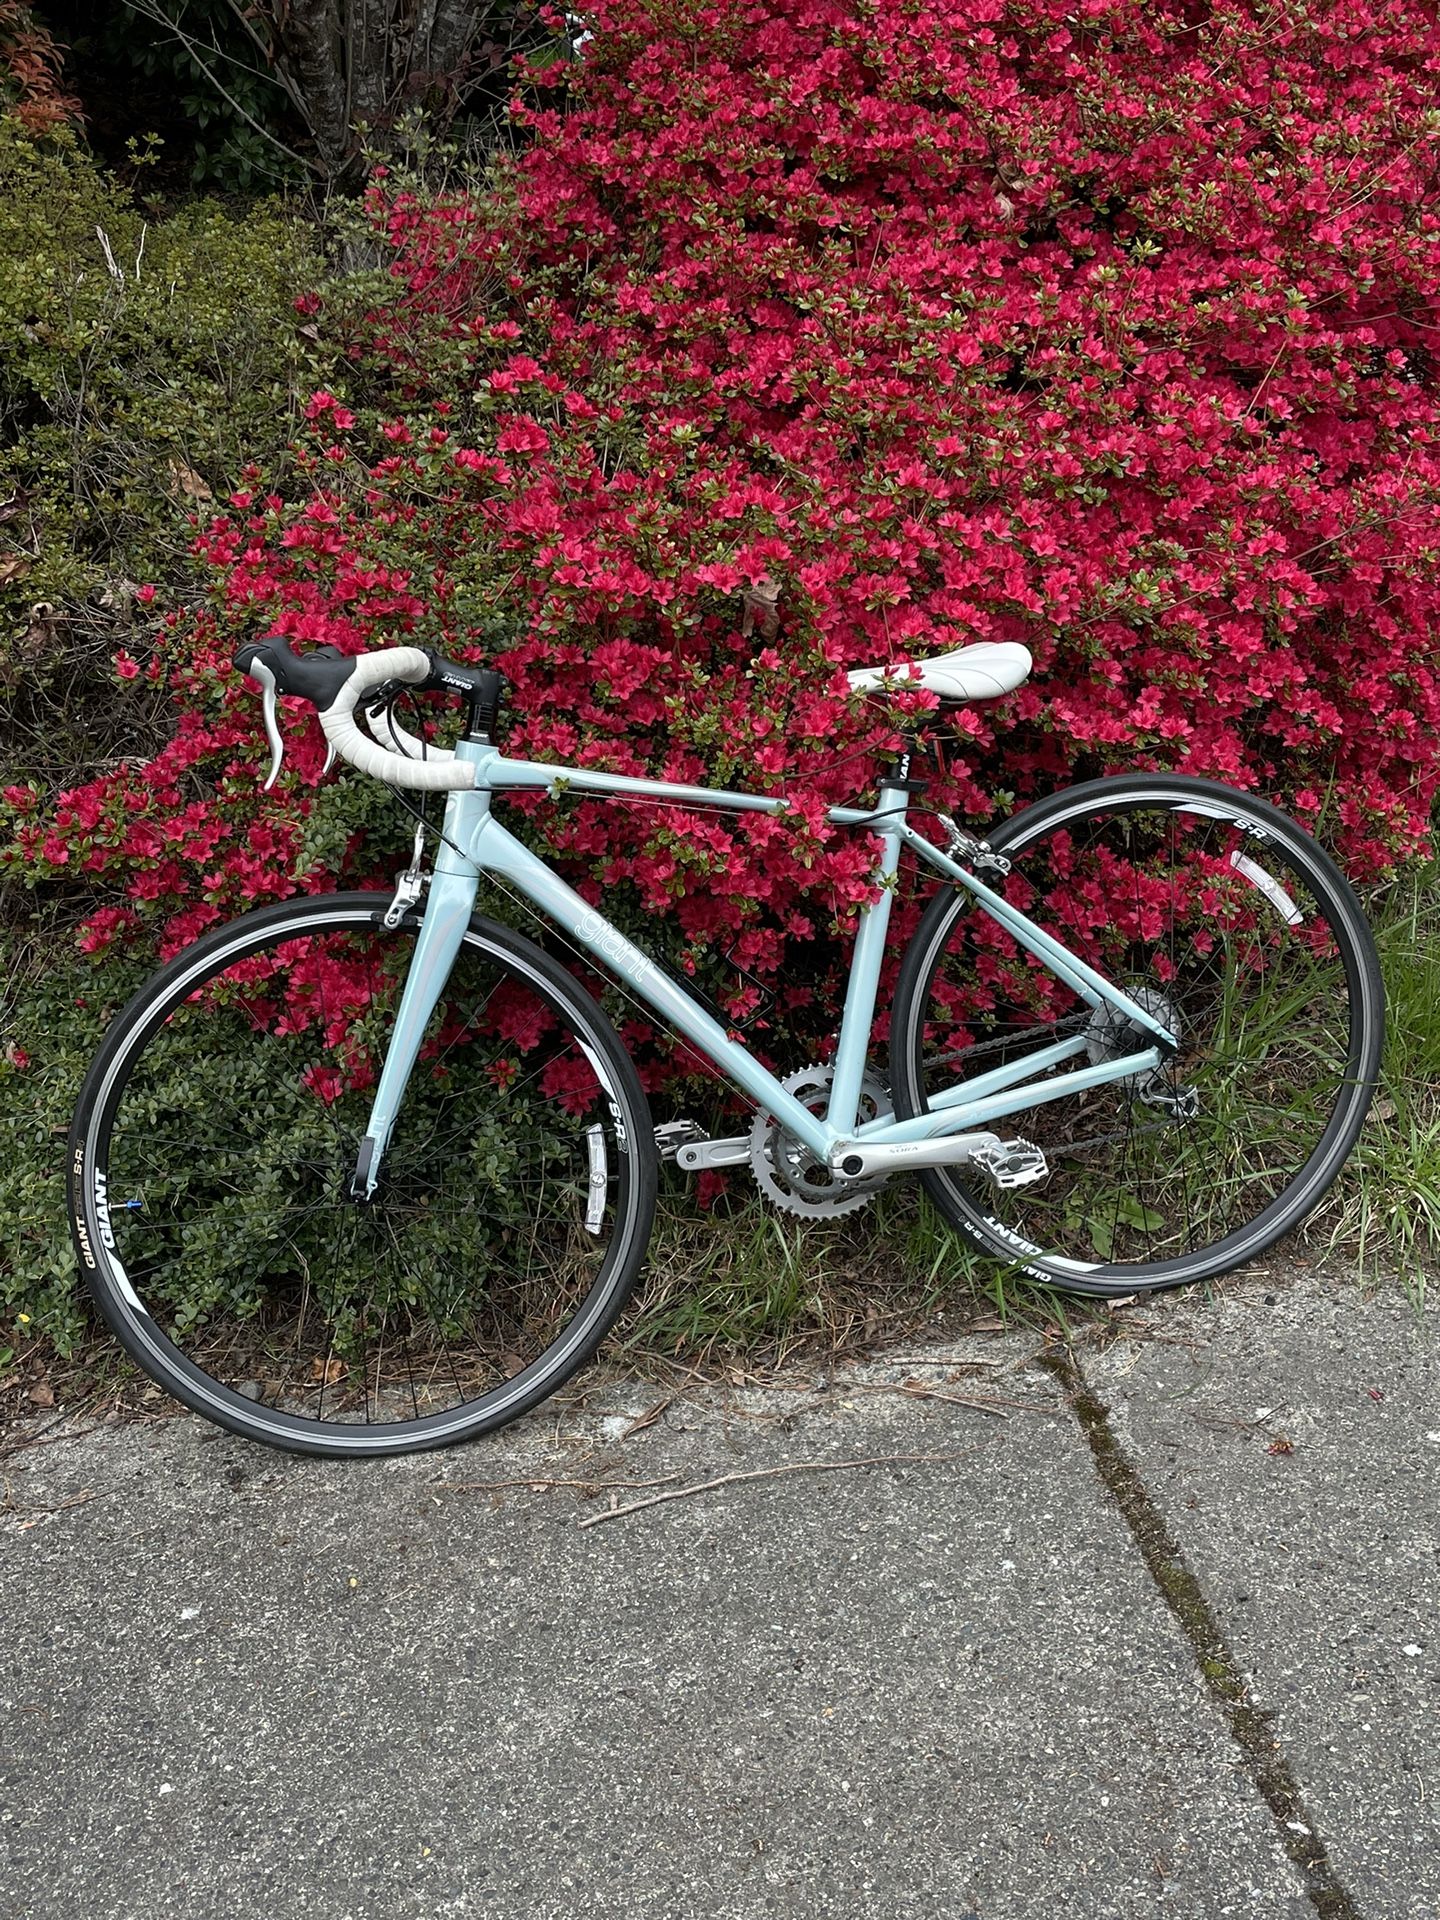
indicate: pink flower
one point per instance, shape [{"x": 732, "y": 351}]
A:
[{"x": 817, "y": 377}]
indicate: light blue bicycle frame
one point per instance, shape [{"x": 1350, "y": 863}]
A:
[{"x": 475, "y": 843}]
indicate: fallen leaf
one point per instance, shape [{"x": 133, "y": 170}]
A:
[
  {"x": 186, "y": 483},
  {"x": 38, "y": 638},
  {"x": 761, "y": 602},
  {"x": 648, "y": 1418}
]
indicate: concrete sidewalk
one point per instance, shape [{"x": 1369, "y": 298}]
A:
[{"x": 1016, "y": 1677}]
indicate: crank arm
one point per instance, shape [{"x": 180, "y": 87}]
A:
[
  {"x": 697, "y": 1156},
  {"x": 857, "y": 1161}
]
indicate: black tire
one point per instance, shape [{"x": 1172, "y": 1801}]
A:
[
  {"x": 1281, "y": 1018},
  {"x": 209, "y": 1168}
]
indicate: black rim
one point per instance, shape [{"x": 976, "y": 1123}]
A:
[
  {"x": 1141, "y": 1193},
  {"x": 236, "y": 1267}
]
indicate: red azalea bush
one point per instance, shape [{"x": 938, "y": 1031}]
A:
[{"x": 803, "y": 335}]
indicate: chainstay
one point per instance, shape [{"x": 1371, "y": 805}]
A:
[{"x": 1055, "y": 1029}]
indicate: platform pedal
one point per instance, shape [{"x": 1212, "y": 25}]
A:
[
  {"x": 671, "y": 1135},
  {"x": 693, "y": 1151},
  {"x": 1011, "y": 1163}
]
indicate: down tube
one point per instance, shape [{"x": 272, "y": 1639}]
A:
[{"x": 494, "y": 849}]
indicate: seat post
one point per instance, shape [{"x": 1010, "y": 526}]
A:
[{"x": 900, "y": 774}]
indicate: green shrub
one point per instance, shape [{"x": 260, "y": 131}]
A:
[
  {"x": 143, "y": 363},
  {"x": 63, "y": 1004}
]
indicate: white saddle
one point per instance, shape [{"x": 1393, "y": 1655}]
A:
[{"x": 981, "y": 672}]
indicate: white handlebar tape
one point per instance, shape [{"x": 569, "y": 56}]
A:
[
  {"x": 344, "y": 734},
  {"x": 389, "y": 732}
]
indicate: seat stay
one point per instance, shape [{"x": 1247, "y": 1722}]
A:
[
  {"x": 852, "y": 1043},
  {"x": 1082, "y": 979}
]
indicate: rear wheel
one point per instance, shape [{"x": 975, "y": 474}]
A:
[
  {"x": 210, "y": 1167},
  {"x": 1213, "y": 911}
]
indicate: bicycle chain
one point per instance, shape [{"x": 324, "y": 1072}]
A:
[{"x": 1072, "y": 1023}]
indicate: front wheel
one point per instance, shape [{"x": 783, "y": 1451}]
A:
[
  {"x": 1212, "y": 910},
  {"x": 211, "y": 1160}
]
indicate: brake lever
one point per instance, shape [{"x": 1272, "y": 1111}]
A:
[{"x": 259, "y": 671}]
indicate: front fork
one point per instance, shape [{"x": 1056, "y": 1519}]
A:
[{"x": 448, "y": 909}]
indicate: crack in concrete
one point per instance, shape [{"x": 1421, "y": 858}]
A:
[{"x": 1251, "y": 1727}]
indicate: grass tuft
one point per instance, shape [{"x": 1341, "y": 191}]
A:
[{"x": 1387, "y": 1209}]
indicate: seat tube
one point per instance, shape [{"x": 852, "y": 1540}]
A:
[
  {"x": 853, "y": 1046},
  {"x": 449, "y": 905}
]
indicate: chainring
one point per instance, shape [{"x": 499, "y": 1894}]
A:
[{"x": 788, "y": 1173}]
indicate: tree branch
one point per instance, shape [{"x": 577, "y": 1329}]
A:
[{"x": 158, "y": 17}]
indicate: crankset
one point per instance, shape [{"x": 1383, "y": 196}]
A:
[{"x": 790, "y": 1175}]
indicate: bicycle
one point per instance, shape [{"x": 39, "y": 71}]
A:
[{"x": 432, "y": 1186}]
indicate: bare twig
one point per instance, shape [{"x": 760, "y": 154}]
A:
[
  {"x": 953, "y": 1399},
  {"x": 996, "y": 1403},
  {"x": 773, "y": 1473},
  {"x": 11, "y": 1509},
  {"x": 47, "y": 1436},
  {"x": 9, "y": 1451},
  {"x": 117, "y": 272},
  {"x": 536, "y": 1483},
  {"x": 148, "y": 10},
  {"x": 947, "y": 1361}
]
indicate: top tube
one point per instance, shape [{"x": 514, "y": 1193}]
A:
[
  {"x": 494, "y": 773},
  {"x": 497, "y": 774}
]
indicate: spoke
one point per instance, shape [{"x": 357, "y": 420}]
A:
[
  {"x": 409, "y": 1366},
  {"x": 445, "y": 1286},
  {"x": 336, "y": 1237},
  {"x": 1262, "y": 1018}
]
